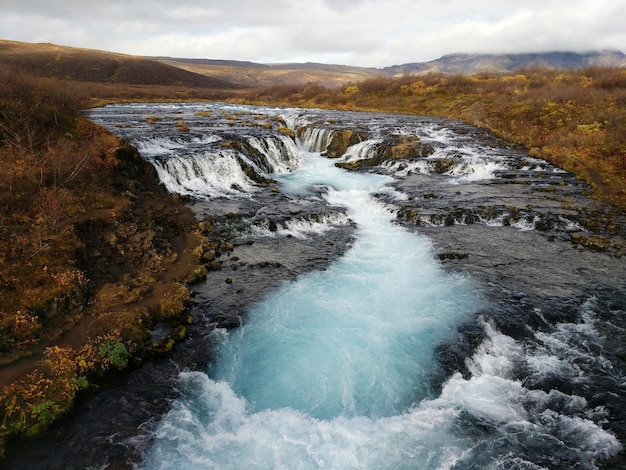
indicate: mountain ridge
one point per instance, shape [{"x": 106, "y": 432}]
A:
[
  {"x": 97, "y": 66},
  {"x": 468, "y": 64}
]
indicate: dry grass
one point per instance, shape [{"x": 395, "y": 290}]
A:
[{"x": 90, "y": 246}]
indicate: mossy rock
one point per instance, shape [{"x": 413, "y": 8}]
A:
[
  {"x": 214, "y": 266},
  {"x": 173, "y": 303},
  {"x": 443, "y": 165},
  {"x": 341, "y": 140},
  {"x": 205, "y": 226},
  {"x": 197, "y": 274},
  {"x": 591, "y": 243},
  {"x": 180, "y": 333},
  {"x": 163, "y": 346},
  {"x": 405, "y": 147},
  {"x": 287, "y": 131}
]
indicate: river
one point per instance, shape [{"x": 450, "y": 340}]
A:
[{"x": 429, "y": 298}]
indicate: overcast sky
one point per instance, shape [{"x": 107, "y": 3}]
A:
[{"x": 351, "y": 32}]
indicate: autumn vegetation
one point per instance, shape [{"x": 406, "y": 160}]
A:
[
  {"x": 574, "y": 119},
  {"x": 93, "y": 252}
]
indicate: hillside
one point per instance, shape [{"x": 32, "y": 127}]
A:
[
  {"x": 469, "y": 64},
  {"x": 252, "y": 75},
  {"x": 110, "y": 70},
  {"x": 88, "y": 65}
]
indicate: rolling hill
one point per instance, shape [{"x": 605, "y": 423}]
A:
[
  {"x": 252, "y": 74},
  {"x": 94, "y": 66},
  {"x": 88, "y": 65}
]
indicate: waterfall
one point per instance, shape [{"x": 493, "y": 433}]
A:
[
  {"x": 315, "y": 139},
  {"x": 280, "y": 152},
  {"x": 362, "y": 150},
  {"x": 385, "y": 359},
  {"x": 202, "y": 174}
]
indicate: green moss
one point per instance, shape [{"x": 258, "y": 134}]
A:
[
  {"x": 179, "y": 333},
  {"x": 341, "y": 140},
  {"x": 115, "y": 353}
]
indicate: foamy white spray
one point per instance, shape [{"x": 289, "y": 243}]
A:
[
  {"x": 331, "y": 363},
  {"x": 332, "y": 371}
]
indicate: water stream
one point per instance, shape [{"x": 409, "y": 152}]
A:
[
  {"x": 325, "y": 365},
  {"x": 459, "y": 329}
]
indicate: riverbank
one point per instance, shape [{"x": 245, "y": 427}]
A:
[{"x": 95, "y": 253}]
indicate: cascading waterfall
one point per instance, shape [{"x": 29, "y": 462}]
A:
[
  {"x": 315, "y": 139},
  {"x": 339, "y": 369},
  {"x": 209, "y": 173},
  {"x": 207, "y": 166},
  {"x": 280, "y": 153},
  {"x": 344, "y": 350}
]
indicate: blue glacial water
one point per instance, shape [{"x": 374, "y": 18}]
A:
[
  {"x": 328, "y": 371},
  {"x": 389, "y": 357}
]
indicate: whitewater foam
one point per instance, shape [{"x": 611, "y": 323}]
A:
[{"x": 336, "y": 370}]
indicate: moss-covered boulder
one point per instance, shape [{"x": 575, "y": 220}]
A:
[{"x": 342, "y": 139}]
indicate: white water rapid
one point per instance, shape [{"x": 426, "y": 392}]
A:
[
  {"x": 389, "y": 357},
  {"x": 332, "y": 371},
  {"x": 328, "y": 371}
]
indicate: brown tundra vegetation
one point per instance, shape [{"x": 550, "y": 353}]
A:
[{"x": 92, "y": 252}]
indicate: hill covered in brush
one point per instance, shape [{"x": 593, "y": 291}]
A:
[{"x": 88, "y": 65}]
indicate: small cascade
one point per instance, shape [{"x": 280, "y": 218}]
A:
[
  {"x": 465, "y": 165},
  {"x": 299, "y": 227},
  {"x": 280, "y": 152},
  {"x": 362, "y": 151},
  {"x": 522, "y": 219},
  {"x": 207, "y": 174},
  {"x": 314, "y": 139}
]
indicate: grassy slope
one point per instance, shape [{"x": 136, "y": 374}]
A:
[
  {"x": 88, "y": 65},
  {"x": 93, "y": 252}
]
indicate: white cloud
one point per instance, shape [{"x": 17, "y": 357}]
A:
[{"x": 355, "y": 32}]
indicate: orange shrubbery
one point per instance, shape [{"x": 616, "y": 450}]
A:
[
  {"x": 70, "y": 189},
  {"x": 41, "y": 157}
]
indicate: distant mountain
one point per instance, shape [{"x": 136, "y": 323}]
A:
[
  {"x": 252, "y": 74},
  {"x": 88, "y": 65},
  {"x": 498, "y": 63}
]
